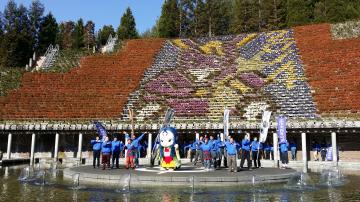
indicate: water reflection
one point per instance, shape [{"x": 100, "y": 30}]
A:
[{"x": 60, "y": 190}]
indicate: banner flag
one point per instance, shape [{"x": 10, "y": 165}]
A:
[
  {"x": 264, "y": 127},
  {"x": 226, "y": 122},
  {"x": 100, "y": 129},
  {"x": 281, "y": 128}
]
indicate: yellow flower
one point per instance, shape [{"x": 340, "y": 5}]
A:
[
  {"x": 179, "y": 43},
  {"x": 208, "y": 48},
  {"x": 246, "y": 40}
]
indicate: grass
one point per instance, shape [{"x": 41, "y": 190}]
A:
[{"x": 10, "y": 78}]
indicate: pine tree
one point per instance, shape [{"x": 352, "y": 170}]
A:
[
  {"x": 277, "y": 14},
  {"x": 245, "y": 16},
  {"x": 201, "y": 27},
  {"x": 36, "y": 12},
  {"x": 169, "y": 21},
  {"x": 48, "y": 32},
  {"x": 89, "y": 34},
  {"x": 66, "y": 35},
  {"x": 299, "y": 12},
  {"x": 320, "y": 13},
  {"x": 79, "y": 33},
  {"x": 104, "y": 34},
  {"x": 218, "y": 17},
  {"x": 127, "y": 28},
  {"x": 16, "y": 48}
]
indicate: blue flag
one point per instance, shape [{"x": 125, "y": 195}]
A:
[
  {"x": 281, "y": 128},
  {"x": 100, "y": 129}
]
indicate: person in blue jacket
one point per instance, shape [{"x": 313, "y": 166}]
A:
[
  {"x": 96, "y": 146},
  {"x": 293, "y": 150},
  {"x": 192, "y": 149},
  {"x": 106, "y": 153},
  {"x": 231, "y": 150},
  {"x": 135, "y": 144},
  {"x": 245, "y": 146},
  {"x": 284, "y": 154},
  {"x": 215, "y": 150},
  {"x": 198, "y": 151},
  {"x": 266, "y": 150},
  {"x": 255, "y": 149},
  {"x": 206, "y": 149},
  {"x": 115, "y": 150}
]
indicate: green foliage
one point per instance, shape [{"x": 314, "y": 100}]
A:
[
  {"x": 127, "y": 28},
  {"x": 68, "y": 59},
  {"x": 78, "y": 36},
  {"x": 89, "y": 36},
  {"x": 299, "y": 12},
  {"x": 169, "y": 22},
  {"x": 36, "y": 13},
  {"x": 104, "y": 33},
  {"x": 10, "y": 78},
  {"x": 48, "y": 32}
]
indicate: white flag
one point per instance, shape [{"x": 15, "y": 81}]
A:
[
  {"x": 226, "y": 123},
  {"x": 264, "y": 127}
]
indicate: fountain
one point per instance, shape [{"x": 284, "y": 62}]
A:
[
  {"x": 332, "y": 177},
  {"x": 76, "y": 181},
  {"x": 25, "y": 174},
  {"x": 124, "y": 184},
  {"x": 301, "y": 181}
]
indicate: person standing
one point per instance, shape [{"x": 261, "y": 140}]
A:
[
  {"x": 191, "y": 151},
  {"x": 293, "y": 150},
  {"x": 215, "y": 151},
  {"x": 231, "y": 150},
  {"x": 222, "y": 152},
  {"x": 115, "y": 150},
  {"x": 130, "y": 154},
  {"x": 135, "y": 143},
  {"x": 284, "y": 154},
  {"x": 198, "y": 152},
  {"x": 206, "y": 149},
  {"x": 96, "y": 146},
  {"x": 245, "y": 146},
  {"x": 266, "y": 151},
  {"x": 255, "y": 147},
  {"x": 106, "y": 153}
]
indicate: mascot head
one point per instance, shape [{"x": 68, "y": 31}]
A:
[{"x": 168, "y": 137}]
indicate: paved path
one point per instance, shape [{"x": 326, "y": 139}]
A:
[{"x": 184, "y": 176}]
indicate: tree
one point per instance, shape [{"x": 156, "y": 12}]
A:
[
  {"x": 47, "y": 33},
  {"x": 66, "y": 34},
  {"x": 169, "y": 21},
  {"x": 36, "y": 13},
  {"x": 89, "y": 34},
  {"x": 79, "y": 33},
  {"x": 16, "y": 48},
  {"x": 299, "y": 12},
  {"x": 127, "y": 28},
  {"x": 104, "y": 34},
  {"x": 245, "y": 16}
]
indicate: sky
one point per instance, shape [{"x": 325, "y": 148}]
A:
[{"x": 101, "y": 12}]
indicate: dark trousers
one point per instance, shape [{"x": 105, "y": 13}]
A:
[
  {"x": 284, "y": 157},
  {"x": 267, "y": 155},
  {"x": 221, "y": 156},
  {"x": 256, "y": 158},
  {"x": 192, "y": 155},
  {"x": 198, "y": 155},
  {"x": 96, "y": 157},
  {"x": 105, "y": 160},
  {"x": 115, "y": 158},
  {"x": 245, "y": 155}
]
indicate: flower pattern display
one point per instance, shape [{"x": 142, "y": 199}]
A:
[{"x": 202, "y": 76}]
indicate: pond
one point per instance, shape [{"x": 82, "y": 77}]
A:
[{"x": 48, "y": 185}]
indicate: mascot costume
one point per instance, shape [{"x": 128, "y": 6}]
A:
[{"x": 169, "y": 149}]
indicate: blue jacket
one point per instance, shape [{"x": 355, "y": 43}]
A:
[
  {"x": 115, "y": 146},
  {"x": 197, "y": 144},
  {"x": 190, "y": 146},
  {"x": 292, "y": 146},
  {"x": 266, "y": 147},
  {"x": 255, "y": 145},
  {"x": 135, "y": 142},
  {"x": 231, "y": 148},
  {"x": 206, "y": 147},
  {"x": 245, "y": 144},
  {"x": 96, "y": 145},
  {"x": 106, "y": 147},
  {"x": 283, "y": 147},
  {"x": 215, "y": 144}
]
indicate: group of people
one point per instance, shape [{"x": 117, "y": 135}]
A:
[
  {"x": 111, "y": 150},
  {"x": 211, "y": 152}
]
